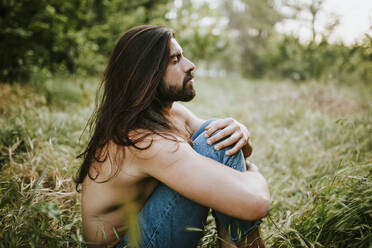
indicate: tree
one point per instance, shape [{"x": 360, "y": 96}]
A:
[
  {"x": 37, "y": 33},
  {"x": 253, "y": 21},
  {"x": 69, "y": 35},
  {"x": 199, "y": 30},
  {"x": 308, "y": 12}
]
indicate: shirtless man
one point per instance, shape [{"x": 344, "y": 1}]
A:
[{"x": 149, "y": 154}]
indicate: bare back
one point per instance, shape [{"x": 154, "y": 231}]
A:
[{"x": 102, "y": 199}]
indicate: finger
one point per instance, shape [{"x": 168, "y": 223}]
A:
[
  {"x": 216, "y": 125},
  {"x": 227, "y": 142},
  {"x": 236, "y": 148},
  {"x": 220, "y": 135},
  {"x": 219, "y": 121}
]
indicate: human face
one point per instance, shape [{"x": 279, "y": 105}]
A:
[{"x": 178, "y": 79}]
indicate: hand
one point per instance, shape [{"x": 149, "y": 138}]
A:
[{"x": 237, "y": 133}]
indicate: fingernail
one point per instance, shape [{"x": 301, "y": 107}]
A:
[
  {"x": 217, "y": 147},
  {"x": 206, "y": 135},
  {"x": 209, "y": 142},
  {"x": 227, "y": 153}
]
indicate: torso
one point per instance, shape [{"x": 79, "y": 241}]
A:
[{"x": 102, "y": 203}]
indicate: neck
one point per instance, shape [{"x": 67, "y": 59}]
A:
[{"x": 166, "y": 109}]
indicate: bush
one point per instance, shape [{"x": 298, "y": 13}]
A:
[
  {"x": 290, "y": 58},
  {"x": 66, "y": 35}
]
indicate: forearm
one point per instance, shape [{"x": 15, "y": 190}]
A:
[
  {"x": 257, "y": 184},
  {"x": 259, "y": 195}
]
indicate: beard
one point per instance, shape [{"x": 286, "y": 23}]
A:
[{"x": 173, "y": 93}]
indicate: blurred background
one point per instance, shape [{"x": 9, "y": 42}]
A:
[
  {"x": 297, "y": 73},
  {"x": 295, "y": 39}
]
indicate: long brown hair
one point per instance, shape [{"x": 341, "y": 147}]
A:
[{"x": 132, "y": 95}]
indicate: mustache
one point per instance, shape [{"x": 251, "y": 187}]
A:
[{"x": 188, "y": 77}]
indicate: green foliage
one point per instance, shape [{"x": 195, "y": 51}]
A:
[
  {"x": 290, "y": 58},
  {"x": 39, "y": 39},
  {"x": 198, "y": 32},
  {"x": 38, "y": 34},
  {"x": 254, "y": 22},
  {"x": 266, "y": 53},
  {"x": 109, "y": 20},
  {"x": 66, "y": 35}
]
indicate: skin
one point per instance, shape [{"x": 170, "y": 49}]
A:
[{"x": 140, "y": 171}]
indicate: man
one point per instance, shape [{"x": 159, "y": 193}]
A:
[{"x": 151, "y": 154}]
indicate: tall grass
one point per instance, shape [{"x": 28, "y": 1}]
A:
[
  {"x": 311, "y": 141},
  {"x": 39, "y": 137}
]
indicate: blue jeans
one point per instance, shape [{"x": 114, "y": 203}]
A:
[{"x": 167, "y": 214}]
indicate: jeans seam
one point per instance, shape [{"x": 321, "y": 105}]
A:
[{"x": 162, "y": 220}]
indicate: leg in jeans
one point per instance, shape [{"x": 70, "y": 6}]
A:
[
  {"x": 166, "y": 215},
  {"x": 236, "y": 228}
]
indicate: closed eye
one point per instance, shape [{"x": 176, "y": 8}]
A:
[{"x": 175, "y": 58}]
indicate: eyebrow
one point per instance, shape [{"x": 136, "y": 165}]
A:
[{"x": 177, "y": 54}]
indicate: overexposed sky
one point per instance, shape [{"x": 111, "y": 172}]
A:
[{"x": 355, "y": 18}]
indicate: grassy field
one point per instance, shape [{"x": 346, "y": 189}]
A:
[{"x": 311, "y": 141}]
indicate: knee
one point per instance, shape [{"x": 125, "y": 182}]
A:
[
  {"x": 202, "y": 147},
  {"x": 235, "y": 161}
]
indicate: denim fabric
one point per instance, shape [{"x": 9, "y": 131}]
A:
[{"x": 166, "y": 215}]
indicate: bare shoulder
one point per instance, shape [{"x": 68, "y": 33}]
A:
[
  {"x": 166, "y": 157},
  {"x": 191, "y": 120},
  {"x": 155, "y": 147}
]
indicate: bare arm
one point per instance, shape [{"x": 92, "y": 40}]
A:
[{"x": 243, "y": 195}]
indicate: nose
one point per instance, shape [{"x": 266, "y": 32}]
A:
[{"x": 189, "y": 66}]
